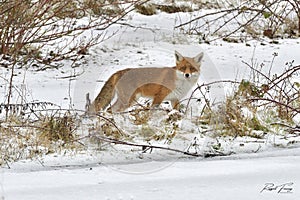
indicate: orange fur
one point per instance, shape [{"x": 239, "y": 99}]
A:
[{"x": 159, "y": 84}]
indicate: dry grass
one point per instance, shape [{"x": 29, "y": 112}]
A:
[
  {"x": 140, "y": 115},
  {"x": 146, "y": 9},
  {"x": 152, "y": 9},
  {"x": 24, "y": 139},
  {"x": 256, "y": 104},
  {"x": 57, "y": 128},
  {"x": 98, "y": 8},
  {"x": 174, "y": 8}
]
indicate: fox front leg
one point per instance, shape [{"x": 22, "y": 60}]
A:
[{"x": 175, "y": 104}]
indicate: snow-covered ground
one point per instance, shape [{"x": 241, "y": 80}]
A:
[
  {"x": 234, "y": 177},
  {"x": 157, "y": 175}
]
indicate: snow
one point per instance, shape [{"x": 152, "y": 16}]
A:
[
  {"x": 235, "y": 177},
  {"x": 126, "y": 173}
]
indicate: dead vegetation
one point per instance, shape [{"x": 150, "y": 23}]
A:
[
  {"x": 29, "y": 138},
  {"x": 256, "y": 104},
  {"x": 27, "y": 27},
  {"x": 240, "y": 20},
  {"x": 38, "y": 35},
  {"x": 254, "y": 109}
]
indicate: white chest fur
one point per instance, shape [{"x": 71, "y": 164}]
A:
[{"x": 183, "y": 86}]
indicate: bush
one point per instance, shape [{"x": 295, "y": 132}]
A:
[{"x": 243, "y": 19}]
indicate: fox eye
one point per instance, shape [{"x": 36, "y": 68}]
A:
[{"x": 183, "y": 68}]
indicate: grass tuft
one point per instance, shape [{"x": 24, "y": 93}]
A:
[{"x": 146, "y": 9}]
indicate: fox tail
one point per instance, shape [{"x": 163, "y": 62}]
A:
[{"x": 107, "y": 93}]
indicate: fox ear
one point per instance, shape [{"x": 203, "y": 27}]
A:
[
  {"x": 178, "y": 56},
  {"x": 198, "y": 58}
]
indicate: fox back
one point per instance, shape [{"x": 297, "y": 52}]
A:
[{"x": 160, "y": 84}]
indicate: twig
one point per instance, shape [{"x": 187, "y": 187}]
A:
[
  {"x": 7, "y": 164},
  {"x": 205, "y": 15},
  {"x": 276, "y": 102},
  {"x": 111, "y": 122},
  {"x": 285, "y": 75},
  {"x": 208, "y": 84},
  {"x": 115, "y": 141},
  {"x": 10, "y": 88}
]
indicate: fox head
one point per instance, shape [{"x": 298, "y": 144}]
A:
[{"x": 188, "y": 66}]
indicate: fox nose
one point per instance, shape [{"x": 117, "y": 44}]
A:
[{"x": 187, "y": 75}]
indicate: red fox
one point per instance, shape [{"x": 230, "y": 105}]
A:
[{"x": 159, "y": 84}]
